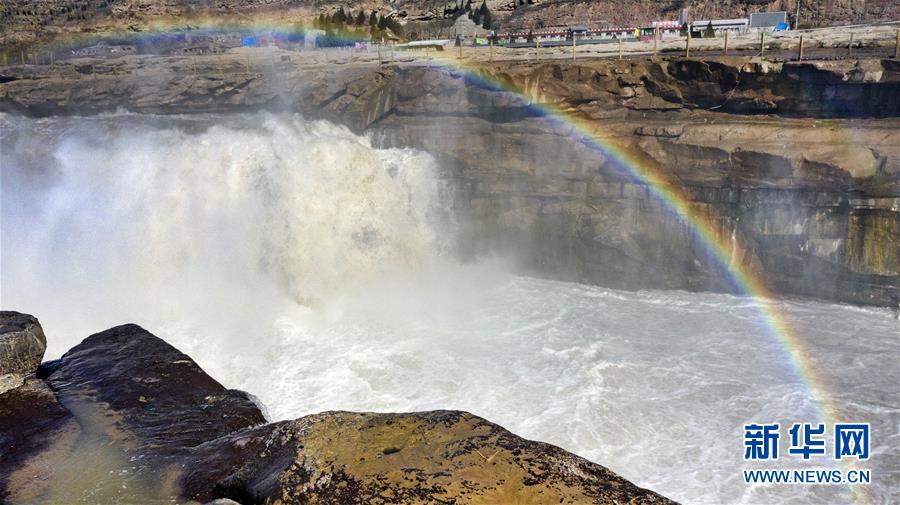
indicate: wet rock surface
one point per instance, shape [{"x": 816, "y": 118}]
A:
[
  {"x": 155, "y": 395},
  {"x": 796, "y": 164},
  {"x": 36, "y": 434},
  {"x": 126, "y": 417}
]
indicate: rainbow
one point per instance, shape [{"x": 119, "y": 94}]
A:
[{"x": 745, "y": 277}]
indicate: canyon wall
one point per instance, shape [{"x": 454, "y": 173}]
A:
[
  {"x": 796, "y": 165},
  {"x": 764, "y": 150}
]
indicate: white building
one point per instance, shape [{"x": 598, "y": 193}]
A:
[
  {"x": 720, "y": 26},
  {"x": 467, "y": 29},
  {"x": 767, "y": 20},
  {"x": 104, "y": 49},
  {"x": 310, "y": 38}
]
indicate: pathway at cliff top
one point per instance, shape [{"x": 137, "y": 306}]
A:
[{"x": 211, "y": 247}]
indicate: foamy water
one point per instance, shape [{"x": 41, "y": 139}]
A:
[{"x": 293, "y": 260}]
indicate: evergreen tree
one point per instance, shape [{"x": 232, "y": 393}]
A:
[
  {"x": 361, "y": 18},
  {"x": 337, "y": 20},
  {"x": 469, "y": 6},
  {"x": 389, "y": 23},
  {"x": 476, "y": 17},
  {"x": 710, "y": 32},
  {"x": 485, "y": 15},
  {"x": 373, "y": 19}
]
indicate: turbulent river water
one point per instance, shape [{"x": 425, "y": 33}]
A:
[{"x": 294, "y": 260}]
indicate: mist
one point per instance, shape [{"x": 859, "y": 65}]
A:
[
  {"x": 302, "y": 263},
  {"x": 205, "y": 218}
]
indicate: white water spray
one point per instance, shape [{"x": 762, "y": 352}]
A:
[
  {"x": 292, "y": 259},
  {"x": 209, "y": 215}
]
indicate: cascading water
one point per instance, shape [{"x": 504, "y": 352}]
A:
[
  {"x": 294, "y": 260},
  {"x": 198, "y": 216}
]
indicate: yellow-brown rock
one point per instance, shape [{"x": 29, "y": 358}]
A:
[{"x": 416, "y": 458}]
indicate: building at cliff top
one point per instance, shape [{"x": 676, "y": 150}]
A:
[
  {"x": 719, "y": 26},
  {"x": 768, "y": 20},
  {"x": 104, "y": 49},
  {"x": 311, "y": 38}
]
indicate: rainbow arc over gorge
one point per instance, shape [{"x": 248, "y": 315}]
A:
[{"x": 745, "y": 277}]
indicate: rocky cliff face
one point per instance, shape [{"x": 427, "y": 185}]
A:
[
  {"x": 125, "y": 417},
  {"x": 797, "y": 196},
  {"x": 797, "y": 164}
]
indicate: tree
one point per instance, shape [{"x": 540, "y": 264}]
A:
[
  {"x": 485, "y": 15},
  {"x": 476, "y": 17},
  {"x": 684, "y": 29},
  {"x": 360, "y": 19},
  {"x": 325, "y": 23},
  {"x": 710, "y": 32},
  {"x": 373, "y": 19},
  {"x": 395, "y": 26}
]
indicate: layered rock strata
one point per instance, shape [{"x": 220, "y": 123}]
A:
[{"x": 795, "y": 165}]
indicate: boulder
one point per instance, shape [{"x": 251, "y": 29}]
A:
[
  {"x": 425, "y": 457},
  {"x": 158, "y": 396},
  {"x": 22, "y": 346}
]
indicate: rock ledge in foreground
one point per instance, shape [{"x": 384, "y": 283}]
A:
[{"x": 181, "y": 435}]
